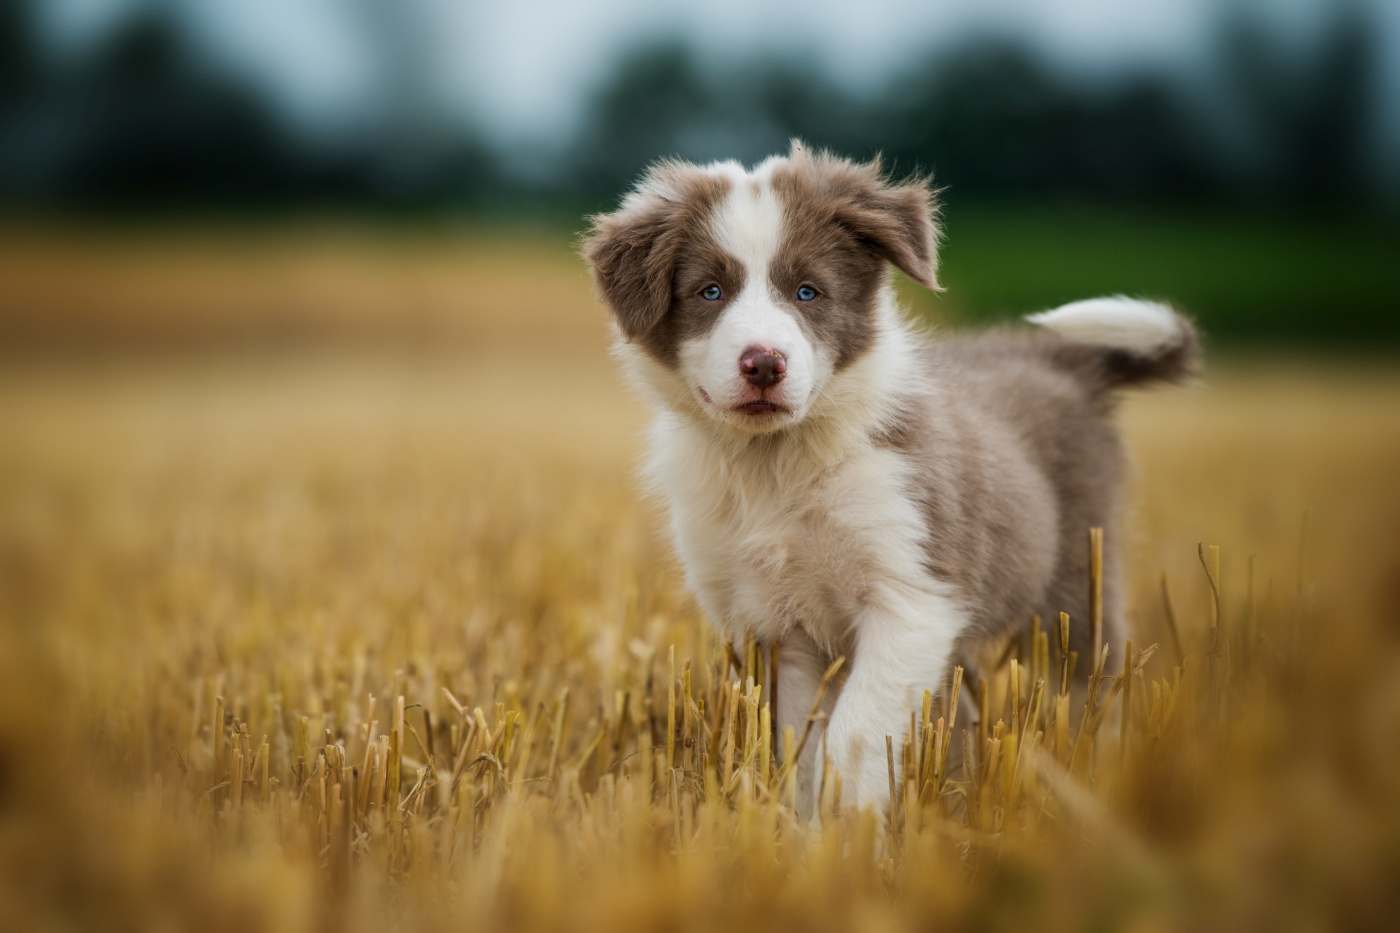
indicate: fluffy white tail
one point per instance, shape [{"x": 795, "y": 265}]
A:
[
  {"x": 1145, "y": 328},
  {"x": 1134, "y": 341}
]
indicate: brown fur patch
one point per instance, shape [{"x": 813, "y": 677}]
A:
[
  {"x": 1018, "y": 437},
  {"x": 893, "y": 219},
  {"x": 818, "y": 251},
  {"x": 1105, "y": 368},
  {"x": 634, "y": 252},
  {"x": 1013, "y": 423},
  {"x": 842, "y": 222},
  {"x": 701, "y": 263}
]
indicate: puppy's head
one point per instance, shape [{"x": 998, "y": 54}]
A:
[{"x": 746, "y": 293}]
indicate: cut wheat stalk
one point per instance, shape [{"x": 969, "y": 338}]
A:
[
  {"x": 670, "y": 708},
  {"x": 1095, "y": 590},
  {"x": 1064, "y": 653},
  {"x": 815, "y": 714}
]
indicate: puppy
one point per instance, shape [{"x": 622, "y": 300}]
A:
[{"x": 838, "y": 483}]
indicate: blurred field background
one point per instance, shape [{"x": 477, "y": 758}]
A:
[{"x": 327, "y": 596}]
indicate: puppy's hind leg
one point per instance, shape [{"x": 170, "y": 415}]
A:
[{"x": 800, "y": 668}]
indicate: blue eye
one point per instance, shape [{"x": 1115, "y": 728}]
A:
[
  {"x": 711, "y": 293},
  {"x": 806, "y": 293}
]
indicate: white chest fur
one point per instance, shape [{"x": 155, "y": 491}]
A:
[{"x": 772, "y": 538}]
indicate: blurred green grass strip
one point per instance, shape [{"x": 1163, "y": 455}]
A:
[{"x": 1284, "y": 279}]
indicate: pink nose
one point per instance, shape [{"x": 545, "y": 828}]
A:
[{"x": 762, "y": 366}]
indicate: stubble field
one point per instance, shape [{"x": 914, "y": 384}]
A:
[{"x": 330, "y": 602}]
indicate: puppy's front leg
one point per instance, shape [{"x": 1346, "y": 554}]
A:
[{"x": 903, "y": 644}]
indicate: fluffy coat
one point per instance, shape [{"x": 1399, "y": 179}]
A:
[{"x": 892, "y": 498}]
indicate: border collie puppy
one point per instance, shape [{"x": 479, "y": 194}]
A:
[{"x": 838, "y": 482}]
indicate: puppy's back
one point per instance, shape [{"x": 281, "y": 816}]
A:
[{"x": 1053, "y": 390}]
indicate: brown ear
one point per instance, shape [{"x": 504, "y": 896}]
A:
[
  {"x": 632, "y": 257},
  {"x": 633, "y": 251},
  {"x": 897, "y": 221}
]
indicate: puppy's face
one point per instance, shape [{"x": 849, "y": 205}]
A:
[{"x": 746, "y": 293}]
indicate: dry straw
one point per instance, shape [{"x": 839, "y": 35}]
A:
[{"x": 507, "y": 715}]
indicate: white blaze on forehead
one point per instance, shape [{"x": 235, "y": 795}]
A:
[{"x": 749, "y": 225}]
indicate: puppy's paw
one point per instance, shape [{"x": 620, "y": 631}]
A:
[{"x": 863, "y": 765}]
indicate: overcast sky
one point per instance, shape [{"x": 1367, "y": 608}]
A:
[{"x": 521, "y": 67}]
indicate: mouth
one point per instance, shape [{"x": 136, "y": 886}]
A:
[{"x": 761, "y": 407}]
